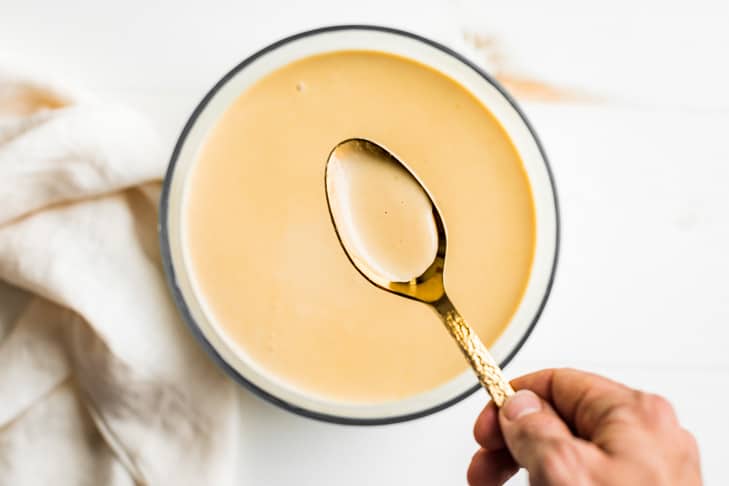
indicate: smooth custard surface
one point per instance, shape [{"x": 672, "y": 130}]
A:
[{"x": 265, "y": 255}]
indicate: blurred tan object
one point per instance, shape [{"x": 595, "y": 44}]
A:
[
  {"x": 100, "y": 382},
  {"x": 523, "y": 87}
]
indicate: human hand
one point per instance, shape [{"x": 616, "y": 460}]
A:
[{"x": 568, "y": 427}]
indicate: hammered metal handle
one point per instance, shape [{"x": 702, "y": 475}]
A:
[{"x": 488, "y": 371}]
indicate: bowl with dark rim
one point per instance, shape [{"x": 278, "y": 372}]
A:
[{"x": 346, "y": 38}]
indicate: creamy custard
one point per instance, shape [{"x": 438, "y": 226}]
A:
[
  {"x": 265, "y": 256},
  {"x": 383, "y": 215}
]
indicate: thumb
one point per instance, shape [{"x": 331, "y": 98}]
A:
[{"x": 541, "y": 442}]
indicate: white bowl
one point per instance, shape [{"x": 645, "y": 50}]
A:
[{"x": 190, "y": 301}]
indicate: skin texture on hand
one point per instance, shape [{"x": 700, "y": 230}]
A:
[{"x": 568, "y": 427}]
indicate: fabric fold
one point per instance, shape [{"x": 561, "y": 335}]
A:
[{"x": 96, "y": 343}]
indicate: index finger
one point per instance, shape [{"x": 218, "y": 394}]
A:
[{"x": 582, "y": 399}]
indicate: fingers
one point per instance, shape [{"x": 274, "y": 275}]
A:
[
  {"x": 566, "y": 426},
  {"x": 541, "y": 442},
  {"x": 491, "y": 468},
  {"x": 487, "y": 430},
  {"x": 582, "y": 399}
]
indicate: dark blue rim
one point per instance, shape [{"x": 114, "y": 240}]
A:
[{"x": 172, "y": 278}]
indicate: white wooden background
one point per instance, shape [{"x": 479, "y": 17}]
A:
[{"x": 639, "y": 141}]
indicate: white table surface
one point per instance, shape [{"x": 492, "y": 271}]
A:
[{"x": 641, "y": 159}]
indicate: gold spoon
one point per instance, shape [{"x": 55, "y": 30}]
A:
[{"x": 393, "y": 233}]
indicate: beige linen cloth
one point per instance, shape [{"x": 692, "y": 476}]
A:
[{"x": 100, "y": 381}]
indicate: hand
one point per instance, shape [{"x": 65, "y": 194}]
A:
[{"x": 567, "y": 427}]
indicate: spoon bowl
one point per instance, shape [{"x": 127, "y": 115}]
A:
[
  {"x": 392, "y": 232},
  {"x": 346, "y": 161}
]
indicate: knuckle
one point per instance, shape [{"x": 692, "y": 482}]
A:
[
  {"x": 689, "y": 446},
  {"x": 625, "y": 413},
  {"x": 655, "y": 409}
]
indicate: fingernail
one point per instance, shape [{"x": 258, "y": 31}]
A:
[{"x": 521, "y": 403}]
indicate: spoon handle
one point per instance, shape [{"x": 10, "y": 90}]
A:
[{"x": 488, "y": 371}]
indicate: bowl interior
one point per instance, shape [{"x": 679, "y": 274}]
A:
[{"x": 192, "y": 301}]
